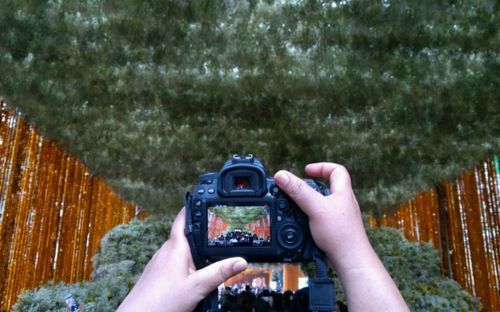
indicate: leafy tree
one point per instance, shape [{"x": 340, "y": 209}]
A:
[
  {"x": 238, "y": 217},
  {"x": 151, "y": 94}
]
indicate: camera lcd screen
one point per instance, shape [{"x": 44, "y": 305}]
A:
[{"x": 238, "y": 226}]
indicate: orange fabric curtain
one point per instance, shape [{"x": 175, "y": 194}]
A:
[
  {"x": 461, "y": 219},
  {"x": 291, "y": 274},
  {"x": 53, "y": 212}
]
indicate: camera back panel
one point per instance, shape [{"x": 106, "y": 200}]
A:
[{"x": 240, "y": 211}]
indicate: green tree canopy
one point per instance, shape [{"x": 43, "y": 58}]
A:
[
  {"x": 151, "y": 94},
  {"x": 238, "y": 217}
]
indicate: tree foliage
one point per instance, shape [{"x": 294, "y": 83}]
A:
[
  {"x": 238, "y": 217},
  {"x": 126, "y": 249},
  {"x": 151, "y": 94}
]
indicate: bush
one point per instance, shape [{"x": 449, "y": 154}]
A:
[
  {"x": 415, "y": 268},
  {"x": 123, "y": 254},
  {"x": 126, "y": 249}
]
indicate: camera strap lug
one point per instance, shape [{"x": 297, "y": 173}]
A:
[{"x": 321, "y": 289}]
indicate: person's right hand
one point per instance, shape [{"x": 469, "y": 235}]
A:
[
  {"x": 337, "y": 228},
  {"x": 335, "y": 220}
]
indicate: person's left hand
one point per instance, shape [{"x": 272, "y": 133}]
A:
[{"x": 170, "y": 281}]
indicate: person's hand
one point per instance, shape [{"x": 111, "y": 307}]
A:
[
  {"x": 335, "y": 220},
  {"x": 170, "y": 281},
  {"x": 337, "y": 229}
]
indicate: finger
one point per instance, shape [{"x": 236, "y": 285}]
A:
[
  {"x": 177, "y": 230},
  {"x": 210, "y": 277},
  {"x": 302, "y": 194},
  {"x": 337, "y": 175},
  {"x": 179, "y": 239},
  {"x": 177, "y": 247}
]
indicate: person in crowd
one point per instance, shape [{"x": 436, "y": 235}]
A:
[
  {"x": 278, "y": 304},
  {"x": 287, "y": 299},
  {"x": 171, "y": 283},
  {"x": 300, "y": 301},
  {"x": 246, "y": 301}
]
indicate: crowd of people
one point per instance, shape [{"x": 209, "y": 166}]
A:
[
  {"x": 251, "y": 299},
  {"x": 238, "y": 238}
]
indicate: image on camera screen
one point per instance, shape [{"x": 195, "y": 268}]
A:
[{"x": 238, "y": 226}]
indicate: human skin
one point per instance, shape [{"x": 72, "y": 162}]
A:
[
  {"x": 337, "y": 229},
  {"x": 170, "y": 281}
]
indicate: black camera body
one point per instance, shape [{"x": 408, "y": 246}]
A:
[{"x": 239, "y": 211}]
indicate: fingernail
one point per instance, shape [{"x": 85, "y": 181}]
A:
[
  {"x": 240, "y": 266},
  {"x": 282, "y": 178}
]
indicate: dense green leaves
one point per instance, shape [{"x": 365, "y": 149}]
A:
[
  {"x": 238, "y": 217},
  {"x": 416, "y": 270},
  {"x": 124, "y": 253},
  {"x": 126, "y": 249},
  {"x": 152, "y": 94}
]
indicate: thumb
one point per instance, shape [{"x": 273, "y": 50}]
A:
[
  {"x": 207, "y": 279},
  {"x": 302, "y": 194}
]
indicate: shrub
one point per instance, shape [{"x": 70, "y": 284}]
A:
[
  {"x": 126, "y": 249},
  {"x": 123, "y": 254}
]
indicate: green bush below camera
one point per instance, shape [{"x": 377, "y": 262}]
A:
[{"x": 126, "y": 249}]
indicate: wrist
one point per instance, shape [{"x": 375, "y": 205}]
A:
[
  {"x": 345, "y": 258},
  {"x": 367, "y": 283}
]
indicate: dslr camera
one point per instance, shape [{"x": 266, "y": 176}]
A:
[{"x": 240, "y": 211}]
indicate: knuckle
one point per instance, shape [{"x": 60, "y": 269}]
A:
[
  {"x": 339, "y": 167},
  {"x": 296, "y": 188},
  {"x": 324, "y": 170},
  {"x": 223, "y": 273},
  {"x": 343, "y": 170}
]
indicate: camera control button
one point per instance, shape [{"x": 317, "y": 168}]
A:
[
  {"x": 290, "y": 236},
  {"x": 274, "y": 189},
  {"x": 201, "y": 191},
  {"x": 279, "y": 218},
  {"x": 211, "y": 190},
  {"x": 282, "y": 204},
  {"x": 198, "y": 203},
  {"x": 197, "y": 214}
]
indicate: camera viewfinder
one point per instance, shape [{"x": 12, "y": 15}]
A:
[{"x": 242, "y": 183}]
